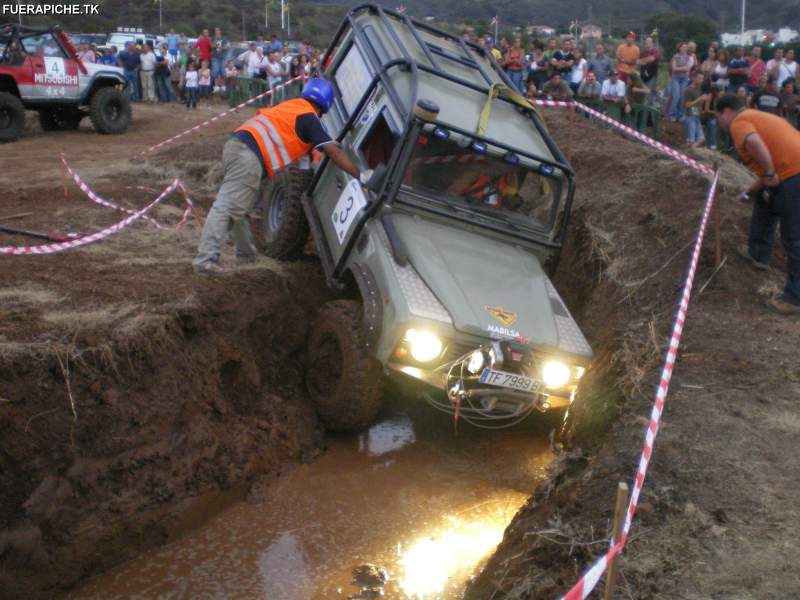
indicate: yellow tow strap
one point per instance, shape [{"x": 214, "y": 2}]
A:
[{"x": 501, "y": 90}]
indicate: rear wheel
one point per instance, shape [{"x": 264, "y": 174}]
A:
[
  {"x": 60, "y": 118},
  {"x": 345, "y": 382},
  {"x": 284, "y": 222},
  {"x": 12, "y": 117},
  {"x": 110, "y": 111}
]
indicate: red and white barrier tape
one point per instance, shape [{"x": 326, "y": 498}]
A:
[
  {"x": 224, "y": 113},
  {"x": 584, "y": 587},
  {"x": 117, "y": 227},
  {"x": 97, "y": 199},
  {"x": 680, "y": 156},
  {"x": 89, "y": 239}
]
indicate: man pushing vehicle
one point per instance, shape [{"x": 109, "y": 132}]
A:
[{"x": 264, "y": 145}]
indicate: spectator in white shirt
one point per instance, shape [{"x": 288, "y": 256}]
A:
[
  {"x": 256, "y": 61},
  {"x": 148, "y": 65},
  {"x": 274, "y": 71},
  {"x": 787, "y": 69},
  {"x": 613, "y": 89},
  {"x": 578, "y": 72}
]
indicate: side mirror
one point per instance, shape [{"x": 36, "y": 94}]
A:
[{"x": 375, "y": 182}]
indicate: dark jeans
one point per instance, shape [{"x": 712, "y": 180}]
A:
[
  {"x": 785, "y": 207},
  {"x": 191, "y": 97}
]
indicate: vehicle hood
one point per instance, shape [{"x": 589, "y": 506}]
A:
[
  {"x": 490, "y": 288},
  {"x": 93, "y": 68}
]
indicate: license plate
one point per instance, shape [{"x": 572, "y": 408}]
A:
[{"x": 512, "y": 381}]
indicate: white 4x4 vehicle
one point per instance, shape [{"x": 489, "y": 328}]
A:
[{"x": 40, "y": 70}]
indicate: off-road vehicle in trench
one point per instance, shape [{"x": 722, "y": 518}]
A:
[
  {"x": 444, "y": 259},
  {"x": 40, "y": 70}
]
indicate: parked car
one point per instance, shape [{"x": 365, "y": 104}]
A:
[{"x": 98, "y": 39}]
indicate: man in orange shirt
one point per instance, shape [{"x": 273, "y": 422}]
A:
[
  {"x": 627, "y": 55},
  {"x": 770, "y": 147}
]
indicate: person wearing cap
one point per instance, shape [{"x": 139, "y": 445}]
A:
[
  {"x": 590, "y": 89},
  {"x": 263, "y": 146},
  {"x": 627, "y": 55},
  {"x": 770, "y": 148},
  {"x": 489, "y": 42}
]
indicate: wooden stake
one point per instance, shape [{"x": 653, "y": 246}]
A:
[
  {"x": 17, "y": 216},
  {"x": 619, "y": 521}
]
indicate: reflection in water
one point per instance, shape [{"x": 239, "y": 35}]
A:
[
  {"x": 408, "y": 495},
  {"x": 387, "y": 436},
  {"x": 284, "y": 569},
  {"x": 452, "y": 552}
]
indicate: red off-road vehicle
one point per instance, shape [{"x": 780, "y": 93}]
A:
[{"x": 40, "y": 70}]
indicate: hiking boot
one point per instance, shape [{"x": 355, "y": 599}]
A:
[
  {"x": 211, "y": 268},
  {"x": 744, "y": 252},
  {"x": 782, "y": 305}
]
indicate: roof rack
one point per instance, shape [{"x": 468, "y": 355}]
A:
[
  {"x": 9, "y": 29},
  {"x": 433, "y": 55}
]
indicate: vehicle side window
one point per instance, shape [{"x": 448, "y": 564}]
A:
[
  {"x": 43, "y": 45},
  {"x": 378, "y": 145}
]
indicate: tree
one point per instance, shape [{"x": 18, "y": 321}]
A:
[{"x": 674, "y": 28}]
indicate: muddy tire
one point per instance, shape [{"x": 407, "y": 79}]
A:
[
  {"x": 110, "y": 111},
  {"x": 60, "y": 118},
  {"x": 12, "y": 117},
  {"x": 344, "y": 381},
  {"x": 284, "y": 224}
]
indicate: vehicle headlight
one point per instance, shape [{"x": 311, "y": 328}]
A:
[
  {"x": 476, "y": 362},
  {"x": 424, "y": 345},
  {"x": 555, "y": 373}
]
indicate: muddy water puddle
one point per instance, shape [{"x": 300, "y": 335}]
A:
[{"x": 408, "y": 496}]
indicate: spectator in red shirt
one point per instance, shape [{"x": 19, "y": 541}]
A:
[
  {"x": 204, "y": 47},
  {"x": 757, "y": 69}
]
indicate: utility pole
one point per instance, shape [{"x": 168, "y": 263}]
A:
[
  {"x": 160, "y": 16},
  {"x": 283, "y": 16},
  {"x": 244, "y": 33},
  {"x": 288, "y": 20},
  {"x": 266, "y": 15},
  {"x": 744, "y": 9}
]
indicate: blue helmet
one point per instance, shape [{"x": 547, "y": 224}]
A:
[{"x": 320, "y": 92}]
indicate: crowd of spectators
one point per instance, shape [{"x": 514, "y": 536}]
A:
[
  {"x": 192, "y": 71},
  {"x": 624, "y": 83}
]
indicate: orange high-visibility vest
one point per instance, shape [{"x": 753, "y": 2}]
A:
[{"x": 274, "y": 132}]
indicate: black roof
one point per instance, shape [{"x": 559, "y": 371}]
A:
[{"x": 10, "y": 29}]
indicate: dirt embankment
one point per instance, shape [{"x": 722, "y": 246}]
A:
[
  {"x": 719, "y": 507},
  {"x": 136, "y": 398}
]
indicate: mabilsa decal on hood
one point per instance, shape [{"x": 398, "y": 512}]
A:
[{"x": 490, "y": 288}]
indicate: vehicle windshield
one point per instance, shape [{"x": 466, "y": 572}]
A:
[
  {"x": 472, "y": 176},
  {"x": 42, "y": 45}
]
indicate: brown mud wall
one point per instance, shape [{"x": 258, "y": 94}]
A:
[{"x": 114, "y": 441}]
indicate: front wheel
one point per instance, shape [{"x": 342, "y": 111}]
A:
[
  {"x": 345, "y": 382},
  {"x": 12, "y": 117},
  {"x": 110, "y": 111},
  {"x": 284, "y": 222}
]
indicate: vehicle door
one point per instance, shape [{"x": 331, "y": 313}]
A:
[{"x": 55, "y": 74}]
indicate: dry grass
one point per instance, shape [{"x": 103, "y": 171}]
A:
[
  {"x": 91, "y": 319},
  {"x": 27, "y": 296}
]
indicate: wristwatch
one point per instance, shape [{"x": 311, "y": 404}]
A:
[{"x": 769, "y": 175}]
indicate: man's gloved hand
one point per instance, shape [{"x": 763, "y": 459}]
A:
[{"x": 365, "y": 176}]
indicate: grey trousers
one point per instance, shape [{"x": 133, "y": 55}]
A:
[{"x": 236, "y": 197}]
